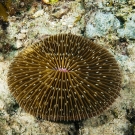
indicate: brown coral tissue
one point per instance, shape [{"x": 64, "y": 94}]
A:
[{"x": 64, "y": 78}]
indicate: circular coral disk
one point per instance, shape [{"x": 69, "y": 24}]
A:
[{"x": 64, "y": 78}]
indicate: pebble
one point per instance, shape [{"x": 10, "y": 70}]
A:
[
  {"x": 1, "y": 45},
  {"x": 46, "y": 1},
  {"x": 131, "y": 50},
  {"x": 21, "y": 36},
  {"x": 1, "y": 58},
  {"x": 60, "y": 12},
  {"x": 64, "y": 23},
  {"x": 38, "y": 13},
  {"x": 32, "y": 10},
  {"x": 70, "y": 26},
  {"x": 12, "y": 19},
  {"x": 1, "y": 104},
  {"x": 18, "y": 44},
  {"x": 24, "y": 31},
  {"x": 22, "y": 4}
]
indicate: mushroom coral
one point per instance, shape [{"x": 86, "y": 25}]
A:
[{"x": 64, "y": 78}]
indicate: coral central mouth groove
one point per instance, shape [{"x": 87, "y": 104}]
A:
[{"x": 63, "y": 70}]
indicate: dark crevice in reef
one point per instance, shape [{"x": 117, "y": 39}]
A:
[
  {"x": 4, "y": 24},
  {"x": 76, "y": 124},
  {"x": 122, "y": 21},
  {"x": 12, "y": 108},
  {"x": 129, "y": 131},
  {"x": 131, "y": 117},
  {"x": 75, "y": 130}
]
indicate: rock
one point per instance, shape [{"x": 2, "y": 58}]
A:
[
  {"x": 129, "y": 30},
  {"x": 102, "y": 23}
]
